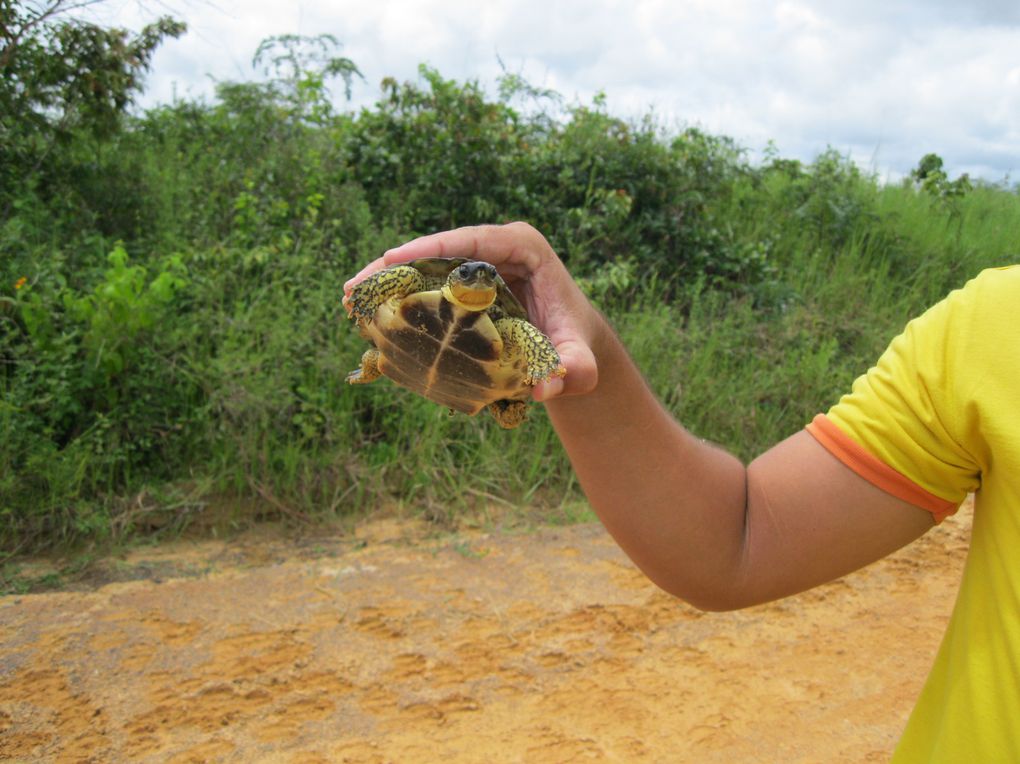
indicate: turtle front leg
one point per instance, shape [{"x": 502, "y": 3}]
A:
[
  {"x": 540, "y": 354},
  {"x": 369, "y": 370},
  {"x": 368, "y": 295}
]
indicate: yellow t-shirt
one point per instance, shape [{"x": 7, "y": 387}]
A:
[{"x": 937, "y": 418}]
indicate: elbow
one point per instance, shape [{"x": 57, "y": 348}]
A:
[
  {"x": 722, "y": 603},
  {"x": 716, "y": 597},
  {"x": 719, "y": 604}
]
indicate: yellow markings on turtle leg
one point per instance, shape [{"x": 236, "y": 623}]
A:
[
  {"x": 539, "y": 353},
  {"x": 369, "y": 370},
  {"x": 368, "y": 295}
]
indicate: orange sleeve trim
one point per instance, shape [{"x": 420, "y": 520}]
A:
[{"x": 875, "y": 471}]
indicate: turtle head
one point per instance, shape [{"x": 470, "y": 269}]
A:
[{"x": 472, "y": 286}]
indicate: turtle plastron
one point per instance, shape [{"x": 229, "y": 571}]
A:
[{"x": 451, "y": 331}]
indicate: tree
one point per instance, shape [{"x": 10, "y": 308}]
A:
[
  {"x": 299, "y": 66},
  {"x": 60, "y": 75},
  {"x": 931, "y": 177}
]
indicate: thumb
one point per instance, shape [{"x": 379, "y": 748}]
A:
[{"x": 582, "y": 372}]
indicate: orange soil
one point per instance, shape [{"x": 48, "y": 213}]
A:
[{"x": 539, "y": 647}]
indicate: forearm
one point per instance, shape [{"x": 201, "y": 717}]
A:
[{"x": 673, "y": 502}]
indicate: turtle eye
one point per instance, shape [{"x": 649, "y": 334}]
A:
[{"x": 464, "y": 271}]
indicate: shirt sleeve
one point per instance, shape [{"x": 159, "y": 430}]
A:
[{"x": 902, "y": 426}]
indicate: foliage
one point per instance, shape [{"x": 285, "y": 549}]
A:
[
  {"x": 90, "y": 393},
  {"x": 170, "y": 334},
  {"x": 62, "y": 79},
  {"x": 930, "y": 176},
  {"x": 437, "y": 157},
  {"x": 71, "y": 74},
  {"x": 302, "y": 65}
]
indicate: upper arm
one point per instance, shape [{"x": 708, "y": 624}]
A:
[
  {"x": 902, "y": 450},
  {"x": 811, "y": 519}
]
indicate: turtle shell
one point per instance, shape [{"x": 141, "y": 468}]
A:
[{"x": 445, "y": 353}]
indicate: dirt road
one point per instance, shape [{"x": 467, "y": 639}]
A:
[{"x": 545, "y": 646}]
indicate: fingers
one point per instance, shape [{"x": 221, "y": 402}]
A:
[
  {"x": 460, "y": 242},
  {"x": 496, "y": 244},
  {"x": 517, "y": 249}
]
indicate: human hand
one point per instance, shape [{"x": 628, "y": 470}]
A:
[{"x": 534, "y": 273}]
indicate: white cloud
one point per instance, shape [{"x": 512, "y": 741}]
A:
[{"x": 884, "y": 82}]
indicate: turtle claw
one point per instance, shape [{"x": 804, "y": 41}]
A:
[
  {"x": 357, "y": 311},
  {"x": 558, "y": 371}
]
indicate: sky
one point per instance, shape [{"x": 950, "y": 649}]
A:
[{"x": 881, "y": 81}]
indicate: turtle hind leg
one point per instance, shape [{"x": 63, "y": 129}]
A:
[
  {"x": 368, "y": 295},
  {"x": 539, "y": 352},
  {"x": 369, "y": 370},
  {"x": 509, "y": 414}
]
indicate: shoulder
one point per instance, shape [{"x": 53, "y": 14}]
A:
[
  {"x": 970, "y": 323},
  {"x": 991, "y": 290},
  {"x": 981, "y": 317}
]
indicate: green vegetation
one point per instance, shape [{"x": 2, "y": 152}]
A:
[{"x": 170, "y": 328}]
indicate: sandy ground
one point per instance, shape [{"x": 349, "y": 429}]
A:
[{"x": 546, "y": 646}]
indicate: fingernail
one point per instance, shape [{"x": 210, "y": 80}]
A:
[{"x": 544, "y": 391}]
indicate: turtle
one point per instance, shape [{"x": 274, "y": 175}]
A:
[{"x": 451, "y": 330}]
